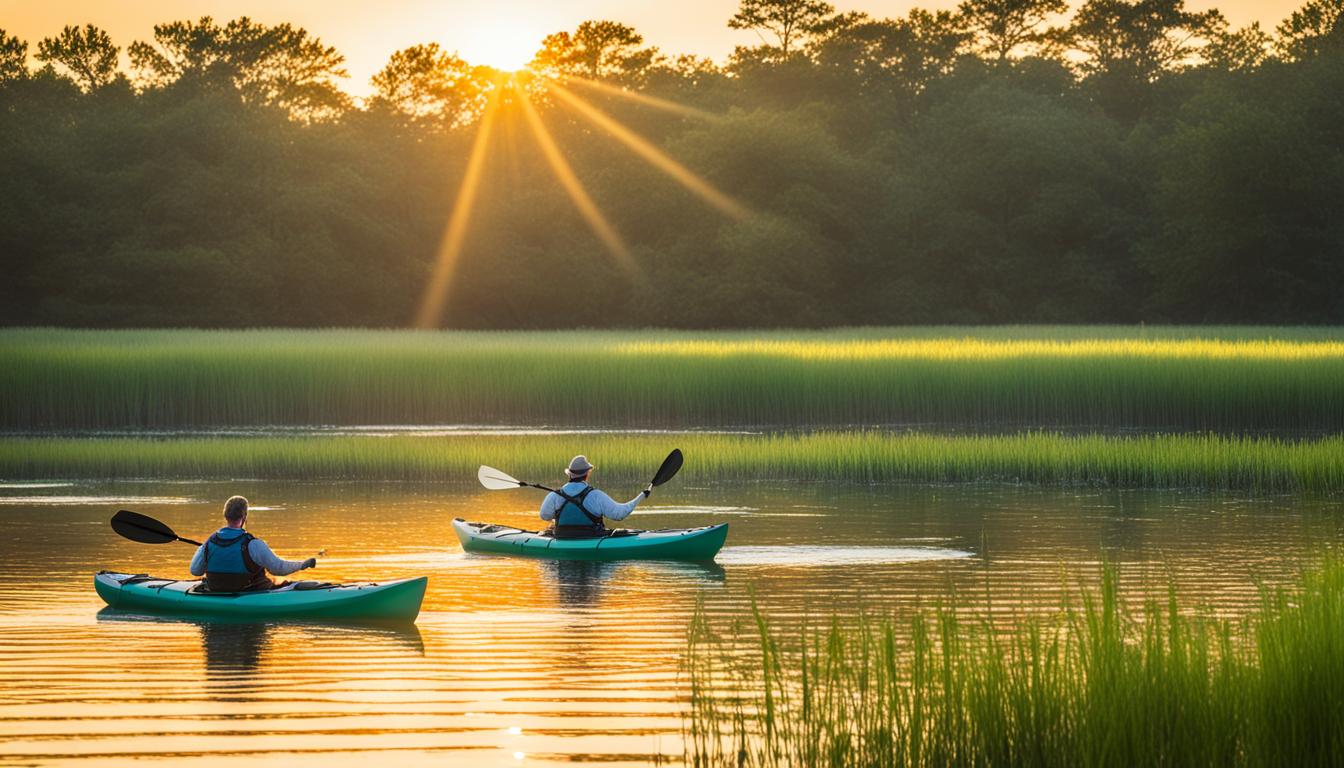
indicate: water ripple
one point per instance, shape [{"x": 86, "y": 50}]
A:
[{"x": 802, "y": 555}]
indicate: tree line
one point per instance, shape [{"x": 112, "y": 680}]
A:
[{"x": 1010, "y": 161}]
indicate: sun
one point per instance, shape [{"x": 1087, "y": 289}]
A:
[{"x": 505, "y": 46}]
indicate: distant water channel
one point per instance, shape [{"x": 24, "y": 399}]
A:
[{"x": 518, "y": 662}]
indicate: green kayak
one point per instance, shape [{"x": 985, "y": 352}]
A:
[
  {"x": 390, "y": 601},
  {"x": 694, "y": 544}
]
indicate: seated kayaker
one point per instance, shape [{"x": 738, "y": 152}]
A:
[
  {"x": 577, "y": 509},
  {"x": 233, "y": 560}
]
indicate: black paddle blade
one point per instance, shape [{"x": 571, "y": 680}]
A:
[
  {"x": 145, "y": 530},
  {"x": 671, "y": 465}
]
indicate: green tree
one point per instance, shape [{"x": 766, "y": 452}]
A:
[
  {"x": 1005, "y": 27},
  {"x": 891, "y": 176},
  {"x": 279, "y": 66},
  {"x": 1236, "y": 50},
  {"x": 1007, "y": 206},
  {"x": 597, "y": 50},
  {"x": 788, "y": 21},
  {"x": 894, "y": 58},
  {"x": 181, "y": 50},
  {"x": 1140, "y": 40},
  {"x": 427, "y": 85},
  {"x": 1127, "y": 46},
  {"x": 1313, "y": 28},
  {"x": 1246, "y": 204},
  {"x": 86, "y": 54},
  {"x": 13, "y": 58}
]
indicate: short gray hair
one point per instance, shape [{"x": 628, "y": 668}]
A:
[{"x": 235, "y": 509}]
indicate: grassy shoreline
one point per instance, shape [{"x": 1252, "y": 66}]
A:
[
  {"x": 1204, "y": 462},
  {"x": 1093, "y": 684},
  {"x": 1181, "y": 378}
]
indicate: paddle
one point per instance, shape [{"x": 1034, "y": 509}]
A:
[
  {"x": 495, "y": 480},
  {"x": 671, "y": 466},
  {"x": 146, "y": 530}
]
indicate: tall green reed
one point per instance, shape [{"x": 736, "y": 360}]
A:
[
  {"x": 1093, "y": 378},
  {"x": 1091, "y": 685},
  {"x": 1208, "y": 462}
]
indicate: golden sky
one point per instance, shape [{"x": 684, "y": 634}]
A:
[{"x": 499, "y": 32}]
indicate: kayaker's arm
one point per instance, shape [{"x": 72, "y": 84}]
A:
[
  {"x": 262, "y": 555},
  {"x": 550, "y": 506},
  {"x": 198, "y": 562},
  {"x": 600, "y": 503}
]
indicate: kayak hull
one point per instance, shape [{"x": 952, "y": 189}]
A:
[
  {"x": 391, "y": 601},
  {"x": 688, "y": 544}
]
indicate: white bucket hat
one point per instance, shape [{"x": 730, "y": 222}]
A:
[{"x": 578, "y": 467}]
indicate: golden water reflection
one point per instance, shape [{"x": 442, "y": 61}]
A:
[{"x": 522, "y": 662}]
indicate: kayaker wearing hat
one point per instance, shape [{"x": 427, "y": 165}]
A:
[
  {"x": 233, "y": 560},
  {"x": 578, "y": 509}
]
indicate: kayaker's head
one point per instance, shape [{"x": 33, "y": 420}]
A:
[
  {"x": 235, "y": 511},
  {"x": 578, "y": 469}
]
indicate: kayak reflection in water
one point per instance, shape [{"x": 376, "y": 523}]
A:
[
  {"x": 233, "y": 560},
  {"x": 577, "y": 509}
]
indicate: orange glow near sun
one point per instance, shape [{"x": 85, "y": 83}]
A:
[
  {"x": 574, "y": 188},
  {"x": 511, "y": 89},
  {"x": 651, "y": 154},
  {"x": 505, "y": 46},
  {"x": 450, "y": 247}
]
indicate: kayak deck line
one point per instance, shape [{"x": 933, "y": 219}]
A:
[
  {"x": 396, "y": 601},
  {"x": 690, "y": 544},
  {"x": 153, "y": 582}
]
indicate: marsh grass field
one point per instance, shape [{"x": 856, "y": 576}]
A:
[
  {"x": 1252, "y": 409},
  {"x": 828, "y": 449},
  {"x": 1095, "y": 684},
  {"x": 1283, "y": 380},
  {"x": 1205, "y": 462}
]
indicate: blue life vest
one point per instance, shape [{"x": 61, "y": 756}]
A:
[
  {"x": 573, "y": 512},
  {"x": 228, "y": 564}
]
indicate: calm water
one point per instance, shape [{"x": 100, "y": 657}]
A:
[{"x": 517, "y": 662}]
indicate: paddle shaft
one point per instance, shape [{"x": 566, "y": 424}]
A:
[
  {"x": 522, "y": 484},
  {"x": 495, "y": 480},
  {"x": 651, "y": 483},
  {"x": 126, "y": 519}
]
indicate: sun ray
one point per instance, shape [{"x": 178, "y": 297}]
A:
[
  {"x": 645, "y": 99},
  {"x": 450, "y": 247},
  {"x": 656, "y": 157},
  {"x": 565, "y": 175}
]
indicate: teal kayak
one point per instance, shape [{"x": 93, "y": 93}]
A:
[
  {"x": 390, "y": 601},
  {"x": 693, "y": 544}
]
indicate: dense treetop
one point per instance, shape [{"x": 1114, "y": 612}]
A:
[{"x": 1012, "y": 161}]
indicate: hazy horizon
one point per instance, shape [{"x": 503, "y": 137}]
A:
[{"x": 497, "y": 34}]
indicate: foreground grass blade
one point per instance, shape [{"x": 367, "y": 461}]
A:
[{"x": 1097, "y": 684}]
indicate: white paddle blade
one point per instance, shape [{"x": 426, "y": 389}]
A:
[{"x": 495, "y": 480}]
